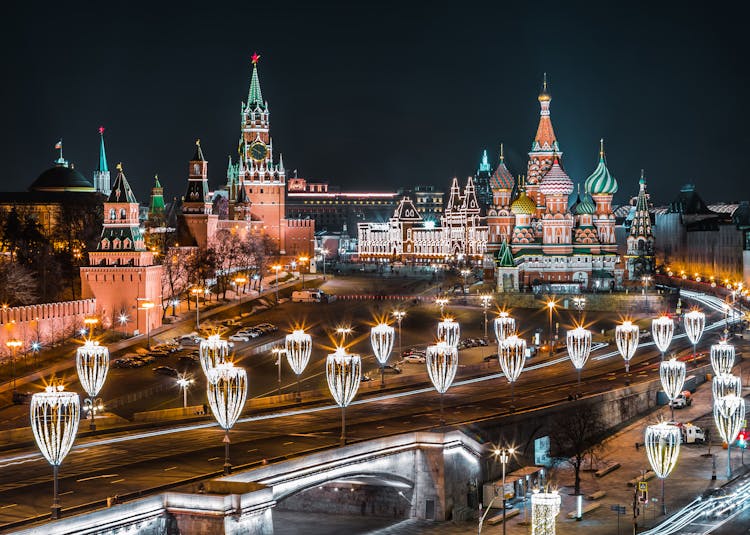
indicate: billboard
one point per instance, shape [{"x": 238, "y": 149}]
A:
[{"x": 541, "y": 451}]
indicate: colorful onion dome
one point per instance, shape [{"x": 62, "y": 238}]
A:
[
  {"x": 501, "y": 178},
  {"x": 601, "y": 181},
  {"x": 523, "y": 205},
  {"x": 556, "y": 181},
  {"x": 544, "y": 96},
  {"x": 585, "y": 205}
]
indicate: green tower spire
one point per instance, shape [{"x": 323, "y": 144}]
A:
[
  {"x": 254, "y": 96},
  {"x": 102, "y": 153}
]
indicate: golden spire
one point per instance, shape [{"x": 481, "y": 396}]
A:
[{"x": 502, "y": 153}]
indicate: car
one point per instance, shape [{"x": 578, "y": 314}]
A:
[
  {"x": 365, "y": 378},
  {"x": 490, "y": 358},
  {"x": 414, "y": 351},
  {"x": 166, "y": 370},
  {"x": 392, "y": 368},
  {"x": 250, "y": 333},
  {"x": 414, "y": 359},
  {"x": 239, "y": 338}
]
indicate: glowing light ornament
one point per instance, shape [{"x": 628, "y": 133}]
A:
[
  {"x": 725, "y": 384},
  {"x": 695, "y": 322},
  {"x": 442, "y": 363},
  {"x": 626, "y": 337},
  {"x": 672, "y": 374},
  {"x": 511, "y": 352},
  {"x": 545, "y": 507},
  {"x": 729, "y": 416},
  {"x": 382, "y": 337},
  {"x": 662, "y": 330},
  {"x": 227, "y": 392},
  {"x": 662, "y": 442},
  {"x": 344, "y": 373},
  {"x": 579, "y": 348},
  {"x": 722, "y": 357},
  {"x": 298, "y": 347},
  {"x": 92, "y": 365},
  {"x": 54, "y": 421},
  {"x": 212, "y": 351},
  {"x": 449, "y": 331},
  {"x": 505, "y": 326}
]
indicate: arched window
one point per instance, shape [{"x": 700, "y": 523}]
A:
[
  {"x": 112, "y": 213},
  {"x": 116, "y": 243},
  {"x": 105, "y": 243},
  {"x": 126, "y": 243},
  {"x": 123, "y": 214}
]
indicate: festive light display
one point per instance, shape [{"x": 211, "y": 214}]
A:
[
  {"x": 545, "y": 507},
  {"x": 662, "y": 442},
  {"x": 695, "y": 322},
  {"x": 511, "y": 352},
  {"x": 722, "y": 357},
  {"x": 92, "y": 365},
  {"x": 505, "y": 326},
  {"x": 54, "y": 417},
  {"x": 672, "y": 374},
  {"x": 725, "y": 384},
  {"x": 382, "y": 337},
  {"x": 626, "y": 337},
  {"x": 213, "y": 351},
  {"x": 449, "y": 331},
  {"x": 227, "y": 393},
  {"x": 662, "y": 330},
  {"x": 729, "y": 416},
  {"x": 579, "y": 348},
  {"x": 442, "y": 363},
  {"x": 298, "y": 346},
  {"x": 344, "y": 373}
]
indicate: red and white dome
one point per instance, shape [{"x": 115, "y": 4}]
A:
[{"x": 556, "y": 181}]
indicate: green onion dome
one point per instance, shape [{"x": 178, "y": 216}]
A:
[
  {"x": 601, "y": 181},
  {"x": 523, "y": 205},
  {"x": 585, "y": 205}
]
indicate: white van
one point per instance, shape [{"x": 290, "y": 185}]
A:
[{"x": 310, "y": 296}]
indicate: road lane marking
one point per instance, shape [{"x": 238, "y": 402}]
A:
[
  {"x": 380, "y": 427},
  {"x": 9, "y": 505},
  {"x": 66, "y": 492},
  {"x": 213, "y": 458},
  {"x": 252, "y": 450},
  {"x": 103, "y": 476},
  {"x": 170, "y": 468},
  {"x": 117, "y": 480},
  {"x": 287, "y": 443}
]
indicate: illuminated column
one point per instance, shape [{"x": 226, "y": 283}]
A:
[
  {"x": 298, "y": 347},
  {"x": 662, "y": 442},
  {"x": 672, "y": 374},
  {"x": 545, "y": 507},
  {"x": 504, "y": 326},
  {"x": 511, "y": 352},
  {"x": 226, "y": 392},
  {"x": 92, "y": 364},
  {"x": 381, "y": 338},
  {"x": 449, "y": 331},
  {"x": 213, "y": 351},
  {"x": 442, "y": 363},
  {"x": 626, "y": 337},
  {"x": 579, "y": 348},
  {"x": 729, "y": 416},
  {"x": 722, "y": 357},
  {"x": 695, "y": 322},
  {"x": 662, "y": 330},
  {"x": 344, "y": 373},
  {"x": 725, "y": 384}
]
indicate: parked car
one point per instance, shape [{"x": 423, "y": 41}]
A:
[
  {"x": 415, "y": 359},
  {"x": 250, "y": 333},
  {"x": 240, "y": 338},
  {"x": 413, "y": 351},
  {"x": 392, "y": 368},
  {"x": 166, "y": 370}
]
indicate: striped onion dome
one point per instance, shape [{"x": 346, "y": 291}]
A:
[
  {"x": 585, "y": 205},
  {"x": 501, "y": 178},
  {"x": 556, "y": 181},
  {"x": 523, "y": 205},
  {"x": 601, "y": 181}
]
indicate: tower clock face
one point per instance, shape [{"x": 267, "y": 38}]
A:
[{"x": 258, "y": 151}]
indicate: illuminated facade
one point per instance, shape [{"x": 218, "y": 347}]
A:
[{"x": 640, "y": 259}]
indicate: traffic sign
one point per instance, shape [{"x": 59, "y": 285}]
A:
[
  {"x": 642, "y": 486},
  {"x": 619, "y": 509}
]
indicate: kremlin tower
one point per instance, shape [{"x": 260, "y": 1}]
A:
[
  {"x": 640, "y": 240},
  {"x": 102, "y": 181}
]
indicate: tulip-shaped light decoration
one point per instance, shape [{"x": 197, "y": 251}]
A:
[
  {"x": 227, "y": 392},
  {"x": 382, "y": 337},
  {"x": 626, "y": 337},
  {"x": 511, "y": 352},
  {"x": 442, "y": 363},
  {"x": 695, "y": 322},
  {"x": 545, "y": 507},
  {"x": 298, "y": 347},
  {"x": 505, "y": 326},
  {"x": 92, "y": 364},
  {"x": 579, "y": 348},
  {"x": 213, "y": 351},
  {"x": 725, "y": 384},
  {"x": 662, "y": 444},
  {"x": 662, "y": 330},
  {"x": 344, "y": 373},
  {"x": 729, "y": 416},
  {"x": 449, "y": 331},
  {"x": 722, "y": 357},
  {"x": 672, "y": 373},
  {"x": 54, "y": 422}
]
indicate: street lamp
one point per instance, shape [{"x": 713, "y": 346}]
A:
[
  {"x": 662, "y": 442},
  {"x": 729, "y": 416},
  {"x": 503, "y": 455},
  {"x": 486, "y": 300},
  {"x": 511, "y": 352},
  {"x": 449, "y": 331},
  {"x": 277, "y": 352},
  {"x": 212, "y": 351},
  {"x": 399, "y": 315},
  {"x": 323, "y": 254},
  {"x": 147, "y": 306},
  {"x": 343, "y": 332},
  {"x": 54, "y": 421},
  {"x": 197, "y": 292},
  {"x": 695, "y": 321},
  {"x": 184, "y": 381},
  {"x": 90, "y": 325},
  {"x": 579, "y": 302},
  {"x": 626, "y": 337},
  {"x": 123, "y": 320},
  {"x": 550, "y": 306},
  {"x": 722, "y": 357},
  {"x": 662, "y": 330},
  {"x": 465, "y": 273},
  {"x": 579, "y": 348},
  {"x": 302, "y": 261},
  {"x": 92, "y": 365},
  {"x": 381, "y": 339},
  {"x": 227, "y": 392},
  {"x": 13, "y": 345},
  {"x": 645, "y": 279},
  {"x": 505, "y": 326},
  {"x": 240, "y": 281},
  {"x": 277, "y": 268},
  {"x": 725, "y": 384},
  {"x": 343, "y": 373},
  {"x": 441, "y": 302},
  {"x": 298, "y": 347},
  {"x": 442, "y": 364},
  {"x": 545, "y": 507},
  {"x": 672, "y": 374}
]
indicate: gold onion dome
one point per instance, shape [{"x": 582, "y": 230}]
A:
[
  {"x": 544, "y": 95},
  {"x": 523, "y": 205},
  {"x": 601, "y": 182}
]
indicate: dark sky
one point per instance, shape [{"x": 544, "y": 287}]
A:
[{"x": 376, "y": 96}]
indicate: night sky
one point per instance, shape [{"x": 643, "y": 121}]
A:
[{"x": 377, "y": 96}]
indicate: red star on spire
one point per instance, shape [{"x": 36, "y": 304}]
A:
[
  {"x": 101, "y": 130},
  {"x": 254, "y": 58}
]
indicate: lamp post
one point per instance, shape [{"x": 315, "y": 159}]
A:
[
  {"x": 92, "y": 365},
  {"x": 486, "y": 300},
  {"x": 227, "y": 392},
  {"x": 672, "y": 374},
  {"x": 302, "y": 261},
  {"x": 399, "y": 315},
  {"x": 695, "y": 321},
  {"x": 197, "y": 292},
  {"x": 442, "y": 363},
  {"x": 662, "y": 442},
  {"x": 147, "y": 306},
  {"x": 465, "y": 273},
  {"x": 13, "y": 345},
  {"x": 645, "y": 280},
  {"x": 277, "y": 268},
  {"x": 511, "y": 352},
  {"x": 626, "y": 338},
  {"x": 662, "y": 330},
  {"x": 343, "y": 332},
  {"x": 580, "y": 303},
  {"x": 298, "y": 347},
  {"x": 381, "y": 340},
  {"x": 729, "y": 416},
  {"x": 550, "y": 306},
  {"x": 441, "y": 302},
  {"x": 579, "y": 348},
  {"x": 240, "y": 281},
  {"x": 722, "y": 357},
  {"x": 211, "y": 352},
  {"x": 449, "y": 331},
  {"x": 184, "y": 381},
  {"x": 54, "y": 421},
  {"x": 90, "y": 324},
  {"x": 343, "y": 373},
  {"x": 505, "y": 326},
  {"x": 503, "y": 455},
  {"x": 278, "y": 351}
]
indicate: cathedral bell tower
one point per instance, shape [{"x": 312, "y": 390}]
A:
[{"x": 197, "y": 208}]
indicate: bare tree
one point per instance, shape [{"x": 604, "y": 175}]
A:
[
  {"x": 19, "y": 286},
  {"x": 174, "y": 278}
]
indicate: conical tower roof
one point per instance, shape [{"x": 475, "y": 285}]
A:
[
  {"x": 254, "y": 95},
  {"x": 502, "y": 178},
  {"x": 198, "y": 156},
  {"x": 121, "y": 191},
  {"x": 103, "y": 168},
  {"x": 641, "y": 225},
  {"x": 505, "y": 256},
  {"x": 601, "y": 181}
]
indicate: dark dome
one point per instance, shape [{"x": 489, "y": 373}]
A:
[{"x": 61, "y": 178}]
